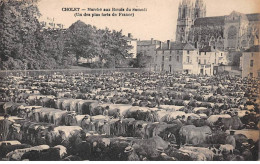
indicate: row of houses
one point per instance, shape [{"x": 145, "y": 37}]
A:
[{"x": 187, "y": 58}]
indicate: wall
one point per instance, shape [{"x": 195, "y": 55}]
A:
[
  {"x": 133, "y": 51},
  {"x": 245, "y": 63},
  {"x": 161, "y": 65}
]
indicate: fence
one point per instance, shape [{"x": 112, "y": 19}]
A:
[{"x": 4, "y": 73}]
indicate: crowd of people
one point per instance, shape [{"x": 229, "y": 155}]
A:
[{"x": 129, "y": 116}]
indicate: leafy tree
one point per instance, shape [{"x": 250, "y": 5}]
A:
[
  {"x": 81, "y": 40},
  {"x": 20, "y": 32},
  {"x": 142, "y": 61}
]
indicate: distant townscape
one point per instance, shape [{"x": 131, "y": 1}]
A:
[{"x": 203, "y": 45}]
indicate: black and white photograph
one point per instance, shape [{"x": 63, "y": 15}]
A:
[{"x": 129, "y": 80}]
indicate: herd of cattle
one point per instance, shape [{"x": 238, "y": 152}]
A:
[{"x": 129, "y": 116}]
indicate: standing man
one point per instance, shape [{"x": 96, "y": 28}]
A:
[
  {"x": 106, "y": 128},
  {"x": 4, "y": 128},
  {"x": 231, "y": 139}
]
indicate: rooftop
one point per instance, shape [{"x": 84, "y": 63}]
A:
[
  {"x": 147, "y": 42},
  {"x": 254, "y": 48},
  {"x": 220, "y": 20},
  {"x": 177, "y": 46}
]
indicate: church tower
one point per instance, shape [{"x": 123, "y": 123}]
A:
[
  {"x": 200, "y": 9},
  {"x": 187, "y": 13}
]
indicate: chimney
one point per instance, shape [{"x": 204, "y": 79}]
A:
[
  {"x": 129, "y": 35},
  {"x": 151, "y": 40},
  {"x": 168, "y": 44}
]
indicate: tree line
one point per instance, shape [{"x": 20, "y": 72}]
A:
[{"x": 24, "y": 44}]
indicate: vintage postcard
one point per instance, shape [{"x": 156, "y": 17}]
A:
[{"x": 129, "y": 80}]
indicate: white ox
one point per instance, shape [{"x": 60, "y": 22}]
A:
[
  {"x": 14, "y": 142},
  {"x": 207, "y": 152},
  {"x": 68, "y": 130},
  {"x": 226, "y": 148},
  {"x": 214, "y": 118},
  {"x": 18, "y": 153},
  {"x": 196, "y": 156}
]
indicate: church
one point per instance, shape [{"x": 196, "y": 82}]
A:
[{"x": 234, "y": 32}]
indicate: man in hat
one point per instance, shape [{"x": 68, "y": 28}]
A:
[
  {"x": 183, "y": 119},
  {"x": 35, "y": 115},
  {"x": 219, "y": 123},
  {"x": 231, "y": 139},
  {"x": 92, "y": 125},
  {"x": 131, "y": 154},
  {"x": 120, "y": 126},
  {"x": 5, "y": 127},
  {"x": 189, "y": 121},
  {"x": 117, "y": 114},
  {"x": 16, "y": 132},
  {"x": 106, "y": 128},
  {"x": 105, "y": 113},
  {"x": 85, "y": 123},
  {"x": 150, "y": 116}
]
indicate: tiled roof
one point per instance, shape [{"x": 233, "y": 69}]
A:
[
  {"x": 177, "y": 46},
  {"x": 146, "y": 42},
  {"x": 253, "y": 49},
  {"x": 206, "y": 49},
  {"x": 210, "y": 21},
  {"x": 253, "y": 17},
  {"x": 188, "y": 46},
  {"x": 127, "y": 38},
  {"x": 220, "y": 20}
]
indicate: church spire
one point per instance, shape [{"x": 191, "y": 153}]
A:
[{"x": 199, "y": 4}]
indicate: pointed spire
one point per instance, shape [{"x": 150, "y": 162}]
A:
[{"x": 199, "y": 3}]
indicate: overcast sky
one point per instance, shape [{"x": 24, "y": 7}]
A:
[{"x": 159, "y": 22}]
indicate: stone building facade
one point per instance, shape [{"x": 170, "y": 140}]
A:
[
  {"x": 133, "y": 43},
  {"x": 176, "y": 57},
  {"x": 249, "y": 62},
  {"x": 147, "y": 47}
]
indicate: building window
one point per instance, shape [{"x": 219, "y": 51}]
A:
[
  {"x": 215, "y": 61},
  {"x": 251, "y": 74},
  {"x": 162, "y": 67},
  {"x": 199, "y": 61},
  {"x": 188, "y": 59},
  {"x": 200, "y": 53},
  {"x": 177, "y": 51},
  {"x": 163, "y": 52},
  {"x": 188, "y": 52},
  {"x": 204, "y": 61},
  {"x": 252, "y": 54},
  {"x": 178, "y": 58},
  {"x": 170, "y": 52},
  {"x": 156, "y": 52},
  {"x": 170, "y": 59},
  {"x": 221, "y": 54},
  {"x": 258, "y": 74},
  {"x": 162, "y": 58},
  {"x": 251, "y": 63},
  {"x": 205, "y": 53}
]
